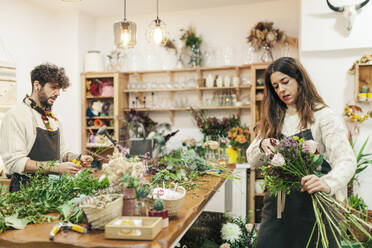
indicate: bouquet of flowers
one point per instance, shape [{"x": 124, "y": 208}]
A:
[
  {"x": 213, "y": 127},
  {"x": 264, "y": 34},
  {"x": 239, "y": 137},
  {"x": 295, "y": 158},
  {"x": 238, "y": 233}
]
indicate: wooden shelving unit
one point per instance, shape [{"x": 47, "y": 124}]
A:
[{"x": 118, "y": 80}]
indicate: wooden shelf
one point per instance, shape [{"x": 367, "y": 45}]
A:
[
  {"x": 260, "y": 194},
  {"x": 99, "y": 146},
  {"x": 96, "y": 128},
  {"x": 188, "y": 108},
  {"x": 187, "y": 89},
  {"x": 160, "y": 90},
  {"x": 260, "y": 87},
  {"x": 100, "y": 117},
  {"x": 99, "y": 97}
]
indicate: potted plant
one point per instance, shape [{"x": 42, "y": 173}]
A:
[
  {"x": 160, "y": 211},
  {"x": 129, "y": 184}
]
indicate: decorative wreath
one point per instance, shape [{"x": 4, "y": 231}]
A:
[
  {"x": 364, "y": 59},
  {"x": 351, "y": 110}
]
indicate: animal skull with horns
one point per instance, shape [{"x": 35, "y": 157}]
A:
[{"x": 348, "y": 11}]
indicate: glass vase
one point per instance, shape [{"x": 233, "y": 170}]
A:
[
  {"x": 141, "y": 209},
  {"x": 267, "y": 55},
  {"x": 196, "y": 57}
]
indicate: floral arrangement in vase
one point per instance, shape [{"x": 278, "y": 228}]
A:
[
  {"x": 264, "y": 35},
  {"x": 239, "y": 141},
  {"x": 211, "y": 127},
  {"x": 192, "y": 41}
]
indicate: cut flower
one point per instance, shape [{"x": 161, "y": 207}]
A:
[{"x": 231, "y": 232}]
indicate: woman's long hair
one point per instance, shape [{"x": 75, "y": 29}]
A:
[{"x": 273, "y": 109}]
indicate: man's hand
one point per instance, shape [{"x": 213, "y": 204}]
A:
[
  {"x": 268, "y": 145},
  {"x": 66, "y": 167},
  {"x": 86, "y": 160},
  {"x": 313, "y": 184}
]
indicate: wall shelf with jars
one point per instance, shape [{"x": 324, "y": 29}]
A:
[
  {"x": 217, "y": 88},
  {"x": 363, "y": 83}
]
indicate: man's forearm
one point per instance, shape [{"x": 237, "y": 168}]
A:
[{"x": 48, "y": 166}]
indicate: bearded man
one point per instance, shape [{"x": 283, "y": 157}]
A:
[{"x": 31, "y": 135}]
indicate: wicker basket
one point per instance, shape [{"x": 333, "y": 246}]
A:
[
  {"x": 172, "y": 205},
  {"x": 99, "y": 212},
  {"x": 360, "y": 236}
]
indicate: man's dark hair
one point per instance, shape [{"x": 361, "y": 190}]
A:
[{"x": 49, "y": 73}]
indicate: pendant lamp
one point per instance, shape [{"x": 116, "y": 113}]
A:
[
  {"x": 157, "y": 30},
  {"x": 125, "y": 32}
]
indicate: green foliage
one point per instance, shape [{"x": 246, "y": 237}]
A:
[
  {"x": 356, "y": 202},
  {"x": 129, "y": 181},
  {"x": 158, "y": 205},
  {"x": 142, "y": 191},
  {"x": 362, "y": 161},
  {"x": 44, "y": 195}
]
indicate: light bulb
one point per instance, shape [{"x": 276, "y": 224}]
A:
[
  {"x": 125, "y": 37},
  {"x": 158, "y": 35}
]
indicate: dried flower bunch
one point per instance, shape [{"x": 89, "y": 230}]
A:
[
  {"x": 264, "y": 34},
  {"x": 366, "y": 58}
]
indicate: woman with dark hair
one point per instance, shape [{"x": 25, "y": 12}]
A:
[{"x": 292, "y": 106}]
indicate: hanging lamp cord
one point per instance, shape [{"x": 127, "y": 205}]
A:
[
  {"x": 157, "y": 9},
  {"x": 125, "y": 10}
]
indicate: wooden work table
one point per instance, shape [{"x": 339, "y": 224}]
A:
[{"x": 37, "y": 235}]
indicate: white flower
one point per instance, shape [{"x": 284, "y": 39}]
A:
[
  {"x": 231, "y": 232},
  {"x": 309, "y": 146},
  {"x": 225, "y": 245},
  {"x": 249, "y": 227},
  {"x": 228, "y": 215},
  {"x": 278, "y": 160}
]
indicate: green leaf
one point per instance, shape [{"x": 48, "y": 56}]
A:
[
  {"x": 15, "y": 222},
  {"x": 318, "y": 159}
]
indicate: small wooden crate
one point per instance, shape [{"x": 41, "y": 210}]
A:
[{"x": 124, "y": 227}]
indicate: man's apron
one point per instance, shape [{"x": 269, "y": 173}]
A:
[{"x": 45, "y": 148}]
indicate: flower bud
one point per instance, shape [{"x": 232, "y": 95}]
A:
[
  {"x": 278, "y": 160},
  {"x": 309, "y": 146}
]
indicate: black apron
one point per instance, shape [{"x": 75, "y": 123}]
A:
[
  {"x": 45, "y": 148},
  {"x": 294, "y": 228}
]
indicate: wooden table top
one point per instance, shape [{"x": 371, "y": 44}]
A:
[{"x": 37, "y": 235}]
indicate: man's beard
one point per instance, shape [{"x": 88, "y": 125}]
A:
[{"x": 43, "y": 99}]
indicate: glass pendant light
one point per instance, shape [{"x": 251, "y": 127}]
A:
[
  {"x": 157, "y": 30},
  {"x": 125, "y": 32}
]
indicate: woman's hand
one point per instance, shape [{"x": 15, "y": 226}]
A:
[
  {"x": 268, "y": 145},
  {"x": 86, "y": 160},
  {"x": 313, "y": 184}
]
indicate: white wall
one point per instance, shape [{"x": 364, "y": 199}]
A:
[
  {"x": 327, "y": 55},
  {"x": 37, "y": 35}
]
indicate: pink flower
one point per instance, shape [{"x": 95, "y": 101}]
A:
[
  {"x": 278, "y": 160},
  {"x": 309, "y": 146},
  {"x": 225, "y": 245}
]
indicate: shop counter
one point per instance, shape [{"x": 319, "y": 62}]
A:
[{"x": 37, "y": 235}]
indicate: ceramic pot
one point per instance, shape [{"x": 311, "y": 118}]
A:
[{"x": 163, "y": 214}]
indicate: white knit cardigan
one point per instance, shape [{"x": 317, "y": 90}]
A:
[{"x": 330, "y": 133}]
